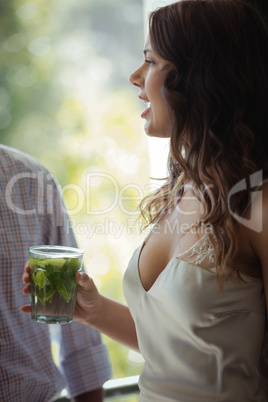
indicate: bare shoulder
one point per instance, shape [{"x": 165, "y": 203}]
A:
[
  {"x": 258, "y": 223},
  {"x": 258, "y": 231}
]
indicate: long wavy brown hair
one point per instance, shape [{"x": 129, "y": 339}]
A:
[{"x": 216, "y": 89}]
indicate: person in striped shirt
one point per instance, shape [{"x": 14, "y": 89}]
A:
[{"x": 32, "y": 213}]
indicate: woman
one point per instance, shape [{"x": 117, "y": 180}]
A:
[{"x": 195, "y": 287}]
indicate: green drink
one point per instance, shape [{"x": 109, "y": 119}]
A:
[{"x": 53, "y": 285}]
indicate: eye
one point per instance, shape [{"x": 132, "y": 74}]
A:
[{"x": 148, "y": 61}]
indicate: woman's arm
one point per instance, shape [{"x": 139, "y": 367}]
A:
[
  {"x": 106, "y": 315},
  {"x": 116, "y": 321}
]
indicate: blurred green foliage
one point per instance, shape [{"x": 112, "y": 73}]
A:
[{"x": 66, "y": 100}]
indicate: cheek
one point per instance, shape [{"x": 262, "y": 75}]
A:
[{"x": 153, "y": 84}]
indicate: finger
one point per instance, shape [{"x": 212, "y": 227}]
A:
[
  {"x": 26, "y": 308},
  {"x": 27, "y": 267},
  {"x": 26, "y": 277},
  {"x": 26, "y": 290}
]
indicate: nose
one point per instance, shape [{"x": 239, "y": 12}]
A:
[{"x": 136, "y": 78}]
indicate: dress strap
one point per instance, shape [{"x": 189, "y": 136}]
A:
[{"x": 199, "y": 251}]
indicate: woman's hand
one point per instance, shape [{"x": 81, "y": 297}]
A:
[
  {"x": 87, "y": 305},
  {"x": 26, "y": 290},
  {"x": 87, "y": 299},
  {"x": 104, "y": 314}
]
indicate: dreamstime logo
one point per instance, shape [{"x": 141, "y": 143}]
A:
[{"x": 255, "y": 222}]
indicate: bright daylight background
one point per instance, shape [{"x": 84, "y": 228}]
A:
[{"x": 65, "y": 99}]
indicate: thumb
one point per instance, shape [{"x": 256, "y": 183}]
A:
[{"x": 84, "y": 281}]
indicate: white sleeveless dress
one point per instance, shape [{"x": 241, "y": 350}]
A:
[{"x": 200, "y": 344}]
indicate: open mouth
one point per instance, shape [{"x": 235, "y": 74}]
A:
[{"x": 145, "y": 111}]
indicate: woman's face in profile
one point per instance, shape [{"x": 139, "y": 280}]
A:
[{"x": 149, "y": 78}]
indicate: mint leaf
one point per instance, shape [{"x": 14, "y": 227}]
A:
[
  {"x": 44, "y": 294},
  {"x": 55, "y": 275},
  {"x": 40, "y": 279}
]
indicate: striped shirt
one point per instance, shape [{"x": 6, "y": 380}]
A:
[{"x": 31, "y": 214}]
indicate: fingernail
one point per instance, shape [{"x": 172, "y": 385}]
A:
[{"x": 82, "y": 278}]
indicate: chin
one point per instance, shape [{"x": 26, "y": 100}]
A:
[
  {"x": 151, "y": 133},
  {"x": 154, "y": 134}
]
